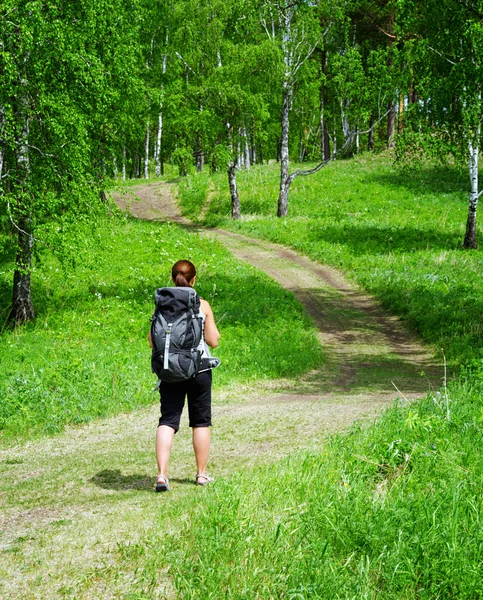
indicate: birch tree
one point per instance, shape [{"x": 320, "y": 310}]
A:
[
  {"x": 294, "y": 26},
  {"x": 63, "y": 70},
  {"x": 450, "y": 36}
]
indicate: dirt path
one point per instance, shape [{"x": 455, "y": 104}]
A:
[
  {"x": 368, "y": 351},
  {"x": 76, "y": 509}
]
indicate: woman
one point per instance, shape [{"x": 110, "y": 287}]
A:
[{"x": 198, "y": 390}]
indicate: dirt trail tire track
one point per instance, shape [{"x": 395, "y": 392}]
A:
[{"x": 370, "y": 351}]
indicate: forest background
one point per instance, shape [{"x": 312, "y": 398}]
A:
[
  {"x": 217, "y": 97},
  {"x": 111, "y": 89}
]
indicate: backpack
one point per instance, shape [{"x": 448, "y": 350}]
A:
[{"x": 176, "y": 334}]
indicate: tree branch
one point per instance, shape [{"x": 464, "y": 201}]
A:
[
  {"x": 470, "y": 9},
  {"x": 9, "y": 210},
  {"x": 442, "y": 55},
  {"x": 184, "y": 62},
  {"x": 335, "y": 154}
]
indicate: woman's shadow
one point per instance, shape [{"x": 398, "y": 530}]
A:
[{"x": 113, "y": 479}]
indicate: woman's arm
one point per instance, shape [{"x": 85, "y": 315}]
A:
[{"x": 212, "y": 335}]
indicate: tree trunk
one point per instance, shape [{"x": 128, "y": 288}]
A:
[
  {"x": 157, "y": 154},
  {"x": 124, "y": 163},
  {"x": 284, "y": 156},
  {"x": 235, "y": 199},
  {"x": 348, "y": 135},
  {"x": 391, "y": 125},
  {"x": 470, "y": 236},
  {"x": 391, "y": 117},
  {"x": 400, "y": 114},
  {"x": 158, "y": 164},
  {"x": 137, "y": 166},
  {"x": 247, "y": 150},
  {"x": 146, "y": 152},
  {"x": 22, "y": 307},
  {"x": 239, "y": 155}
]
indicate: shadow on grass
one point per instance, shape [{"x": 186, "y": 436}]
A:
[
  {"x": 113, "y": 479},
  {"x": 237, "y": 297},
  {"x": 362, "y": 239},
  {"x": 442, "y": 179}
]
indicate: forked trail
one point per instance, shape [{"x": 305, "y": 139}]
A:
[
  {"x": 72, "y": 506},
  {"x": 368, "y": 352}
]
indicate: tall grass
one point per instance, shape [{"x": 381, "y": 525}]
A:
[
  {"x": 398, "y": 233},
  {"x": 193, "y": 193},
  {"x": 86, "y": 355},
  {"x": 391, "y": 510}
]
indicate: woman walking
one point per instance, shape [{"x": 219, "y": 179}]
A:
[{"x": 197, "y": 389}]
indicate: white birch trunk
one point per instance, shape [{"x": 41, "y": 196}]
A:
[
  {"x": 22, "y": 307},
  {"x": 159, "y": 137},
  {"x": 146, "y": 152},
  {"x": 247, "y": 150},
  {"x": 124, "y": 163},
  {"x": 348, "y": 135},
  {"x": 157, "y": 154},
  {"x": 239, "y": 155},
  {"x": 473, "y": 151},
  {"x": 282, "y": 210},
  {"x": 287, "y": 93}
]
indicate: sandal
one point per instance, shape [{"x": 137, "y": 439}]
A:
[
  {"x": 162, "y": 484},
  {"x": 203, "y": 479}
]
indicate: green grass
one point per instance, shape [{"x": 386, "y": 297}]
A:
[
  {"x": 397, "y": 233},
  {"x": 388, "y": 510},
  {"x": 193, "y": 192},
  {"x": 392, "y": 510},
  {"x": 86, "y": 355}
]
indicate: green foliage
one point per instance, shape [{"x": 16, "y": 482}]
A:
[
  {"x": 64, "y": 69},
  {"x": 183, "y": 158},
  {"x": 87, "y": 356}
]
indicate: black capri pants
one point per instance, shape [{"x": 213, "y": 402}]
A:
[{"x": 198, "y": 390}]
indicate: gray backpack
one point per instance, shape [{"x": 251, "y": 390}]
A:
[{"x": 176, "y": 334}]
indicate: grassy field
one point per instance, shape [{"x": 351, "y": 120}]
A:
[
  {"x": 86, "y": 355},
  {"x": 397, "y": 233},
  {"x": 386, "y": 510},
  {"x": 391, "y": 510}
]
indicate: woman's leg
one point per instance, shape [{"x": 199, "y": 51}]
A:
[
  {"x": 164, "y": 443},
  {"x": 201, "y": 446},
  {"x": 172, "y": 401},
  {"x": 199, "y": 408}
]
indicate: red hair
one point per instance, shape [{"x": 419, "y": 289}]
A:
[{"x": 183, "y": 273}]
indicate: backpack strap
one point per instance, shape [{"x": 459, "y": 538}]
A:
[{"x": 166, "y": 345}]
